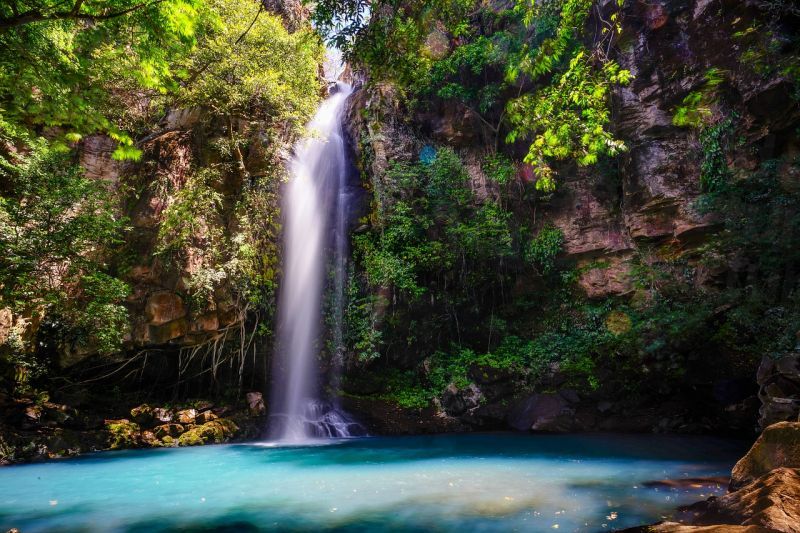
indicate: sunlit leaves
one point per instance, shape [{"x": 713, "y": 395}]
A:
[
  {"x": 61, "y": 72},
  {"x": 249, "y": 63},
  {"x": 568, "y": 117}
]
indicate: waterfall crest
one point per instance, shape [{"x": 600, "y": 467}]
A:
[{"x": 315, "y": 210}]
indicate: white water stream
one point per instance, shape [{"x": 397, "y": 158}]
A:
[{"x": 315, "y": 209}]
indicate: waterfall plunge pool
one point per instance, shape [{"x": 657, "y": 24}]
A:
[{"x": 472, "y": 482}]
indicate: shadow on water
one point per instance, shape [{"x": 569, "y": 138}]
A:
[{"x": 388, "y": 450}]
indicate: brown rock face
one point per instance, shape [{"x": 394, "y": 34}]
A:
[
  {"x": 163, "y": 307},
  {"x": 771, "y": 502},
  {"x": 779, "y": 389},
  {"x": 542, "y": 412},
  {"x": 610, "y": 277},
  {"x": 777, "y": 447}
]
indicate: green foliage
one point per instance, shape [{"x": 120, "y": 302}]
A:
[
  {"x": 362, "y": 334},
  {"x": 56, "y": 227},
  {"x": 568, "y": 119},
  {"x": 695, "y": 109},
  {"x": 770, "y": 48},
  {"x": 61, "y": 61},
  {"x": 192, "y": 214},
  {"x": 246, "y": 61},
  {"x": 122, "y": 434},
  {"x": 714, "y": 172},
  {"x": 103, "y": 319},
  {"x": 421, "y": 237},
  {"x": 543, "y": 249},
  {"x": 499, "y": 168}
]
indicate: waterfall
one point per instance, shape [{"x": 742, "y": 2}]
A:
[{"x": 315, "y": 210}]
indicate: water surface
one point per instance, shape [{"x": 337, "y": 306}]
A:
[{"x": 479, "y": 482}]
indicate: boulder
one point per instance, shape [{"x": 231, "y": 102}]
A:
[
  {"x": 205, "y": 416},
  {"x": 542, "y": 412},
  {"x": 779, "y": 389},
  {"x": 215, "y": 431},
  {"x": 186, "y": 416},
  {"x": 770, "y": 503},
  {"x": 162, "y": 415},
  {"x": 255, "y": 404},
  {"x": 142, "y": 415},
  {"x": 457, "y": 401},
  {"x": 168, "y": 430},
  {"x": 123, "y": 433},
  {"x": 164, "y": 333},
  {"x": 778, "y": 446}
]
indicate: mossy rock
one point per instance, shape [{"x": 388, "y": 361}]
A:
[
  {"x": 123, "y": 434},
  {"x": 143, "y": 415},
  {"x": 211, "y": 432},
  {"x": 778, "y": 446},
  {"x": 171, "y": 430}
]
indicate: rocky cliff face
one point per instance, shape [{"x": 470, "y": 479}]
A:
[
  {"x": 650, "y": 195},
  {"x": 642, "y": 207}
]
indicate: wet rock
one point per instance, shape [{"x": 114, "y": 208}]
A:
[
  {"x": 255, "y": 404},
  {"x": 772, "y": 501},
  {"x": 778, "y": 446},
  {"x": 383, "y": 417}
]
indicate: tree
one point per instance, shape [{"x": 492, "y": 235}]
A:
[{"x": 62, "y": 62}]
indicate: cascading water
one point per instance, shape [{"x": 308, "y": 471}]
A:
[{"x": 315, "y": 209}]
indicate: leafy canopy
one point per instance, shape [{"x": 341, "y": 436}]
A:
[{"x": 60, "y": 62}]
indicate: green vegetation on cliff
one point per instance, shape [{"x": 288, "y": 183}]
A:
[{"x": 70, "y": 72}]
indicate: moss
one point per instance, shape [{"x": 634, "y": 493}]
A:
[
  {"x": 122, "y": 434},
  {"x": 211, "y": 432}
]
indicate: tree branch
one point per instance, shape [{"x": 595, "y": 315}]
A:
[{"x": 35, "y": 15}]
